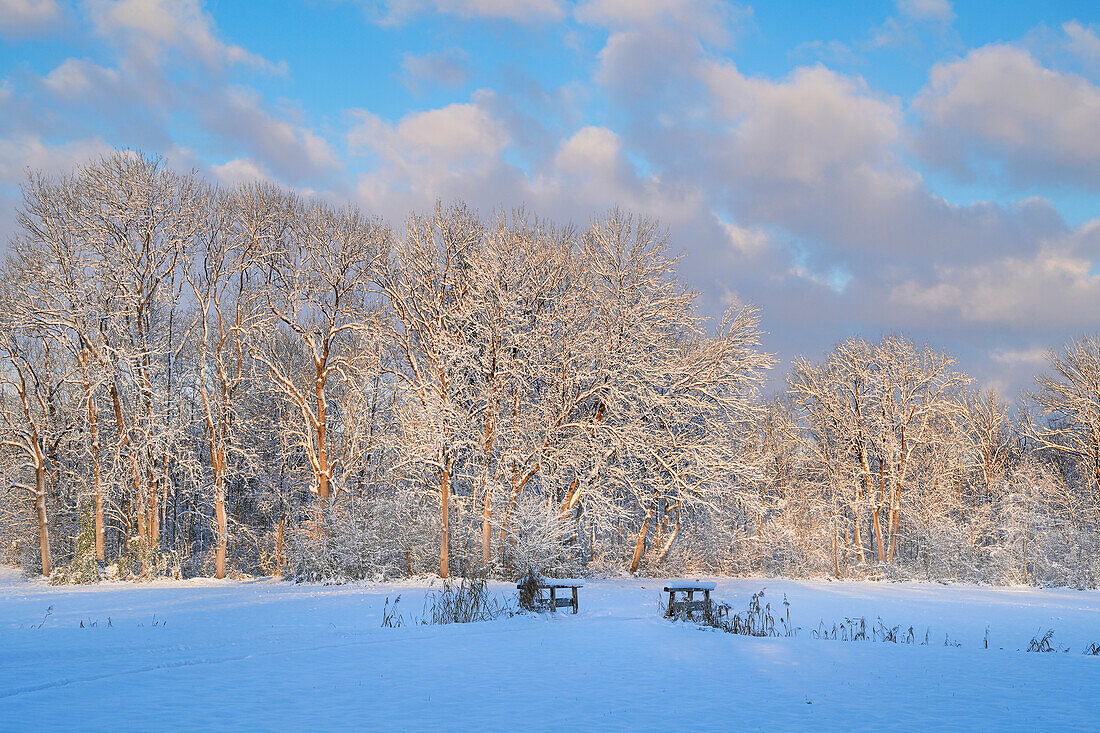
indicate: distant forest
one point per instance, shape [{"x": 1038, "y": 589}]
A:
[{"x": 197, "y": 380}]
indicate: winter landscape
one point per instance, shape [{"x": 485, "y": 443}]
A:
[
  {"x": 394, "y": 365},
  {"x": 263, "y": 655}
]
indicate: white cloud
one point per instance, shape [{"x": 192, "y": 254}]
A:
[
  {"x": 939, "y": 11},
  {"x": 1051, "y": 289},
  {"x": 814, "y": 167},
  {"x": 709, "y": 20},
  {"x": 1083, "y": 42},
  {"x": 637, "y": 63},
  {"x": 808, "y": 129},
  {"x": 240, "y": 170},
  {"x": 518, "y": 11},
  {"x": 750, "y": 241},
  {"x": 467, "y": 152},
  {"x": 238, "y": 115},
  {"x": 819, "y": 154},
  {"x": 81, "y": 78},
  {"x": 149, "y": 29},
  {"x": 138, "y": 100},
  {"x": 591, "y": 172},
  {"x": 450, "y": 153},
  {"x": 590, "y": 149},
  {"x": 19, "y": 18},
  {"x": 458, "y": 136},
  {"x": 833, "y": 53},
  {"x": 999, "y": 103},
  {"x": 1033, "y": 357},
  {"x": 21, "y": 153},
  {"x": 446, "y": 69},
  {"x": 913, "y": 23}
]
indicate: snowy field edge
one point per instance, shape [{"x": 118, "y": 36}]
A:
[{"x": 278, "y": 655}]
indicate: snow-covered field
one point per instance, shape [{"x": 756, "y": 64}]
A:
[{"x": 270, "y": 655}]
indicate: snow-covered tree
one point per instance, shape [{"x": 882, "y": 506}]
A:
[
  {"x": 871, "y": 411},
  {"x": 317, "y": 272}
]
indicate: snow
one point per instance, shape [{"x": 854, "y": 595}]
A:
[
  {"x": 558, "y": 583},
  {"x": 689, "y": 585},
  {"x": 273, "y": 655}
]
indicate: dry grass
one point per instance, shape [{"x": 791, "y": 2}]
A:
[
  {"x": 530, "y": 599},
  {"x": 757, "y": 620},
  {"x": 1042, "y": 644},
  {"x": 467, "y": 602}
]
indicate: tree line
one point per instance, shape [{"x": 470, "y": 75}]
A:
[{"x": 199, "y": 380}]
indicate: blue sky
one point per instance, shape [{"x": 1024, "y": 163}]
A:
[{"x": 918, "y": 166}]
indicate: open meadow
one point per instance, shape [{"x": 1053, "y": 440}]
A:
[{"x": 266, "y": 654}]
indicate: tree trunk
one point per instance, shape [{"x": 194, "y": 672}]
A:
[
  {"x": 445, "y": 514},
  {"x": 100, "y": 551},
  {"x": 153, "y": 504},
  {"x": 97, "y": 472},
  {"x": 876, "y": 513},
  {"x": 877, "y": 526},
  {"x": 571, "y": 498},
  {"x": 487, "y": 529},
  {"x": 671, "y": 538},
  {"x": 40, "y": 505},
  {"x": 836, "y": 543},
  {"x": 324, "y": 474},
  {"x": 639, "y": 546},
  {"x": 279, "y": 549},
  {"x": 143, "y": 538},
  {"x": 219, "y": 511},
  {"x": 135, "y": 472},
  {"x": 517, "y": 487},
  {"x": 487, "y": 492},
  {"x": 857, "y": 533},
  {"x": 894, "y": 511}
]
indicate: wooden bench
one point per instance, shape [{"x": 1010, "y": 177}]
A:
[
  {"x": 553, "y": 584},
  {"x": 688, "y": 588}
]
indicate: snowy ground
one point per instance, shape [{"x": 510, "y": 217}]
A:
[{"x": 270, "y": 655}]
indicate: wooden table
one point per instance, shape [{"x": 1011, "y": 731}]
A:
[
  {"x": 553, "y": 584},
  {"x": 688, "y": 588}
]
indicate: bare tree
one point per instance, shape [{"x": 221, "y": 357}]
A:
[
  {"x": 29, "y": 420},
  {"x": 991, "y": 437},
  {"x": 316, "y": 284},
  {"x": 870, "y": 408},
  {"x": 427, "y": 285},
  {"x": 240, "y": 227},
  {"x": 139, "y": 221},
  {"x": 517, "y": 276},
  {"x": 59, "y": 291},
  {"x": 1069, "y": 402},
  {"x": 656, "y": 404}
]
